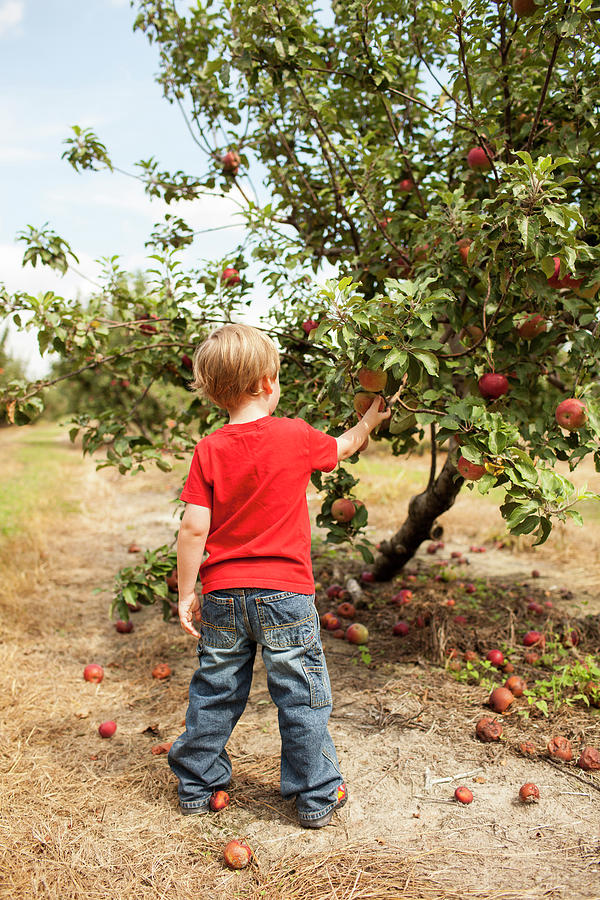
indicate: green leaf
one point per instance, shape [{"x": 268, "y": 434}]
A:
[{"x": 428, "y": 360}]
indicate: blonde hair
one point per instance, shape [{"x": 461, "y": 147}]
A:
[{"x": 231, "y": 362}]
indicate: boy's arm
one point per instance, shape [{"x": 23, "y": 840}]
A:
[
  {"x": 349, "y": 442},
  {"x": 193, "y": 532}
]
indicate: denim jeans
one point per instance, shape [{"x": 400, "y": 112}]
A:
[{"x": 286, "y": 625}]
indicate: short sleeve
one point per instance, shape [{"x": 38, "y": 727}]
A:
[
  {"x": 322, "y": 450},
  {"x": 197, "y": 488}
]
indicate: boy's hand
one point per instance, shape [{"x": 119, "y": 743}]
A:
[
  {"x": 187, "y": 606},
  {"x": 377, "y": 412}
]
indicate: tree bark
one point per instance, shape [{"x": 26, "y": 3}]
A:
[{"x": 423, "y": 510}]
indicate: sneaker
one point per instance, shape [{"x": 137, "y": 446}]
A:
[
  {"x": 342, "y": 796},
  {"x": 194, "y": 810}
]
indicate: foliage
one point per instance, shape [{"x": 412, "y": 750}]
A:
[{"x": 360, "y": 118}]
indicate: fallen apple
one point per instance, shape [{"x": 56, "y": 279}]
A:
[
  {"x": 357, "y": 633},
  {"x": 333, "y": 623},
  {"x": 560, "y": 748},
  {"x": 334, "y": 590},
  {"x": 516, "y": 685},
  {"x": 589, "y": 760},
  {"x": 496, "y": 657},
  {"x": 237, "y": 854},
  {"x": 488, "y": 730},
  {"x": 527, "y": 748},
  {"x": 107, "y": 729},
  {"x": 463, "y": 795},
  {"x": 161, "y": 671},
  {"x": 500, "y": 699},
  {"x": 534, "y": 639},
  {"x": 219, "y": 800},
  {"x": 94, "y": 673},
  {"x": 529, "y": 793},
  {"x": 346, "y": 610},
  {"x": 401, "y": 629}
]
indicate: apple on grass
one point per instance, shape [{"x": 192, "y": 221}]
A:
[
  {"x": 94, "y": 673},
  {"x": 237, "y": 854},
  {"x": 219, "y": 800},
  {"x": 107, "y": 729},
  {"x": 571, "y": 414}
]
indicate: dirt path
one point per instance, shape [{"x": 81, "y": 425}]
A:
[{"x": 89, "y": 818}]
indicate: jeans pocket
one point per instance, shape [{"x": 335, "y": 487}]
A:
[
  {"x": 313, "y": 663},
  {"x": 218, "y": 621},
  {"x": 287, "y": 619}
]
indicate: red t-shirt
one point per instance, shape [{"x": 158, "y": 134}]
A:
[{"x": 253, "y": 477}]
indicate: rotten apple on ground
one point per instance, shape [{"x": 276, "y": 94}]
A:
[
  {"x": 500, "y": 699},
  {"x": 529, "y": 793},
  {"x": 161, "y": 671},
  {"x": 219, "y": 800},
  {"x": 560, "y": 748},
  {"x": 488, "y": 730},
  {"x": 237, "y": 854},
  {"x": 94, "y": 673},
  {"x": 496, "y": 657}
]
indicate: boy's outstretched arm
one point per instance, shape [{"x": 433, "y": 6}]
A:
[
  {"x": 349, "y": 442},
  {"x": 193, "y": 532}
]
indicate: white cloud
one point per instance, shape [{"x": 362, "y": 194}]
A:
[
  {"x": 11, "y": 14},
  {"x": 22, "y": 155}
]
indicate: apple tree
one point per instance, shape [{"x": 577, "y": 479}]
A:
[{"x": 439, "y": 166}]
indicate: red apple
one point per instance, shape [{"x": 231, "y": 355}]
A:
[
  {"x": 496, "y": 657},
  {"x": 560, "y": 748},
  {"x": 488, "y": 730},
  {"x": 172, "y": 580},
  {"x": 571, "y": 414},
  {"x": 338, "y": 633},
  {"x": 500, "y": 699},
  {"x": 219, "y": 800},
  {"x": 402, "y": 597},
  {"x": 470, "y": 656},
  {"x": 516, "y": 685},
  {"x": 589, "y": 760},
  {"x": 491, "y": 385},
  {"x": 463, "y": 795},
  {"x": 401, "y": 629},
  {"x": 363, "y": 400},
  {"x": 534, "y": 639},
  {"x": 134, "y": 548},
  {"x": 186, "y": 362},
  {"x": 346, "y": 610},
  {"x": 124, "y": 627},
  {"x": 531, "y": 327},
  {"x": 147, "y": 328},
  {"x": 372, "y": 379},
  {"x": 478, "y": 159},
  {"x": 230, "y": 276},
  {"x": 334, "y": 590},
  {"x": 107, "y": 729},
  {"x": 367, "y": 577},
  {"x": 237, "y": 854},
  {"x": 470, "y": 471},
  {"x": 357, "y": 633},
  {"x": 342, "y": 509},
  {"x": 309, "y": 326},
  {"x": 230, "y": 162},
  {"x": 161, "y": 671},
  {"x": 529, "y": 793},
  {"x": 523, "y": 7},
  {"x": 463, "y": 248},
  {"x": 326, "y": 618},
  {"x": 470, "y": 588},
  {"x": 94, "y": 673},
  {"x": 333, "y": 623},
  {"x": 406, "y": 185}
]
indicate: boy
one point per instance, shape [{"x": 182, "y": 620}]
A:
[{"x": 246, "y": 504}]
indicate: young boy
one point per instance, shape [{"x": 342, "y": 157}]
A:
[{"x": 246, "y": 505}]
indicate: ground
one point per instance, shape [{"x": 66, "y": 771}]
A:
[{"x": 84, "y": 817}]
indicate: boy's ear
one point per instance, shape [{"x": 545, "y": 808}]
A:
[{"x": 267, "y": 385}]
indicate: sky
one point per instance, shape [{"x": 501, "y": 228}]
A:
[{"x": 67, "y": 62}]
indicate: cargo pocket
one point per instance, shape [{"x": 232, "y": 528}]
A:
[
  {"x": 313, "y": 663},
  {"x": 218, "y": 621},
  {"x": 287, "y": 619}
]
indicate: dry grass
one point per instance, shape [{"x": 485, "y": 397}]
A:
[{"x": 88, "y": 819}]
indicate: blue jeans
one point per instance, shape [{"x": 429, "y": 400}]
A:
[{"x": 286, "y": 625}]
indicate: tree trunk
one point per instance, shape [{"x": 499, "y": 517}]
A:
[{"x": 423, "y": 510}]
